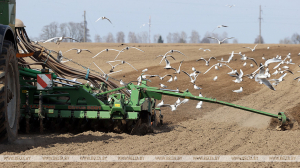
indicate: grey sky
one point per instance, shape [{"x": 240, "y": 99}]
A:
[{"x": 280, "y": 18}]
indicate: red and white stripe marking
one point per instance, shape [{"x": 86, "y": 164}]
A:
[{"x": 44, "y": 81}]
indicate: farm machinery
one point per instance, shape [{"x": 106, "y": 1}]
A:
[{"x": 47, "y": 99}]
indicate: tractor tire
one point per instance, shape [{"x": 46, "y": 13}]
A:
[{"x": 9, "y": 93}]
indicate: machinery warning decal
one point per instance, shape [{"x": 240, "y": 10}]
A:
[{"x": 44, "y": 82}]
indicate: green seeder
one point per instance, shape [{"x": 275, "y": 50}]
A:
[{"x": 81, "y": 101}]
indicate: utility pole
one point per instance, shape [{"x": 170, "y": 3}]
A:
[
  {"x": 149, "y": 28},
  {"x": 84, "y": 33},
  {"x": 259, "y": 40}
]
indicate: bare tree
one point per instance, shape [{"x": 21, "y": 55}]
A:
[
  {"x": 175, "y": 37},
  {"x": 142, "y": 37},
  {"x": 235, "y": 41},
  {"x": 97, "y": 38},
  {"x": 63, "y": 29},
  {"x": 286, "y": 40},
  {"x": 195, "y": 37},
  {"x": 50, "y": 31},
  {"x": 45, "y": 33},
  {"x": 169, "y": 38},
  {"x": 53, "y": 29},
  {"x": 183, "y": 37},
  {"x": 110, "y": 38},
  {"x": 120, "y": 37},
  {"x": 295, "y": 38},
  {"x": 132, "y": 37},
  {"x": 216, "y": 35},
  {"x": 71, "y": 29},
  {"x": 223, "y": 36},
  {"x": 256, "y": 40},
  {"x": 205, "y": 39},
  {"x": 156, "y": 37}
]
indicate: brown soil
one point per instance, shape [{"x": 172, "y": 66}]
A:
[{"x": 212, "y": 130}]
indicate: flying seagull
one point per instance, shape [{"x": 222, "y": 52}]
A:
[
  {"x": 103, "y": 17},
  {"x": 160, "y": 77},
  {"x": 277, "y": 81},
  {"x": 261, "y": 77},
  {"x": 168, "y": 65},
  {"x": 171, "y": 51},
  {"x": 252, "y": 49},
  {"x": 59, "y": 39},
  {"x": 177, "y": 70},
  {"x": 238, "y": 76},
  {"x": 206, "y": 61},
  {"x": 79, "y": 50},
  {"x": 219, "y": 27},
  {"x": 121, "y": 62},
  {"x": 229, "y": 59},
  {"x": 230, "y": 6},
  {"x": 244, "y": 58},
  {"x": 127, "y": 48},
  {"x": 192, "y": 80},
  {"x": 165, "y": 56},
  {"x": 104, "y": 74},
  {"x": 106, "y": 51},
  {"x": 220, "y": 42},
  {"x": 204, "y": 49}
]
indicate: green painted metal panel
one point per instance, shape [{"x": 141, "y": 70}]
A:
[
  {"x": 132, "y": 115},
  {"x": 50, "y": 111},
  {"x": 34, "y": 111},
  {"x": 8, "y": 12},
  {"x": 65, "y": 113},
  {"x": 53, "y": 115},
  {"x": 133, "y": 108},
  {"x": 104, "y": 115},
  {"x": 91, "y": 114},
  {"x": 78, "y": 114}
]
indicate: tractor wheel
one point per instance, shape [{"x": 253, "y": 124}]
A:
[{"x": 9, "y": 93}]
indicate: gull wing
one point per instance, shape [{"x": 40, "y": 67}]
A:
[
  {"x": 50, "y": 39},
  {"x": 226, "y": 39},
  {"x": 211, "y": 58},
  {"x": 269, "y": 61},
  {"x": 86, "y": 50},
  {"x": 267, "y": 83},
  {"x": 131, "y": 66},
  {"x": 186, "y": 73},
  {"x": 71, "y": 49},
  {"x": 253, "y": 60},
  {"x": 210, "y": 68},
  {"x": 201, "y": 59}
]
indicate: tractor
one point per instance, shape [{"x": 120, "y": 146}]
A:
[{"x": 46, "y": 99}]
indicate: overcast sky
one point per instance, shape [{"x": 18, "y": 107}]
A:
[{"x": 281, "y": 18}]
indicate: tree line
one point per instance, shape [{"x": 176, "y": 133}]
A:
[
  {"x": 70, "y": 29},
  {"x": 294, "y": 39},
  {"x": 76, "y": 31}
]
